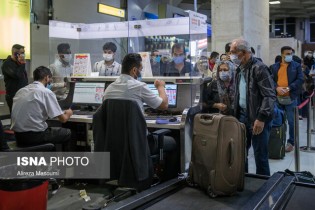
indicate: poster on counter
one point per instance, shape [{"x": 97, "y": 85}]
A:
[
  {"x": 82, "y": 65},
  {"x": 146, "y": 71}
]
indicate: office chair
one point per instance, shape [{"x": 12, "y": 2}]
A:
[
  {"x": 13, "y": 148},
  {"x": 119, "y": 127}
]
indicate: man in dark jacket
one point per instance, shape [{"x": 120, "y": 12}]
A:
[
  {"x": 254, "y": 101},
  {"x": 13, "y": 70},
  {"x": 288, "y": 78}
]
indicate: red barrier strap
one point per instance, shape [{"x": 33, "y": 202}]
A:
[
  {"x": 2, "y": 92},
  {"x": 303, "y": 103},
  {"x": 312, "y": 94}
]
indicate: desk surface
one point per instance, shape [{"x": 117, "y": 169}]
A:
[{"x": 150, "y": 123}]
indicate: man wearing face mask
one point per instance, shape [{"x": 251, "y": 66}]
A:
[
  {"x": 61, "y": 69},
  {"x": 178, "y": 66},
  {"x": 155, "y": 61},
  {"x": 254, "y": 101},
  {"x": 288, "y": 77},
  {"x": 108, "y": 66},
  {"x": 128, "y": 87},
  {"x": 13, "y": 70},
  {"x": 32, "y": 106}
]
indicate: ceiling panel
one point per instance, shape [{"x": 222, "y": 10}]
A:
[{"x": 287, "y": 8}]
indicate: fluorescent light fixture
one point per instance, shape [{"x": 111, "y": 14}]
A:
[
  {"x": 277, "y": 29},
  {"x": 274, "y": 2},
  {"x": 109, "y": 10}
]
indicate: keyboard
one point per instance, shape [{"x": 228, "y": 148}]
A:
[
  {"x": 155, "y": 117},
  {"x": 83, "y": 112}
]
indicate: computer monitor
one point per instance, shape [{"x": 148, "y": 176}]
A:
[
  {"x": 171, "y": 92},
  {"x": 88, "y": 93}
]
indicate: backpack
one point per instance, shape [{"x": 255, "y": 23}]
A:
[{"x": 278, "y": 118}]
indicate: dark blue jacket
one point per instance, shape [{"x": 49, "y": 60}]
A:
[{"x": 295, "y": 77}]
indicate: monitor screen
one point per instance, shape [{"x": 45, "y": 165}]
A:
[
  {"x": 171, "y": 92},
  {"x": 90, "y": 93}
]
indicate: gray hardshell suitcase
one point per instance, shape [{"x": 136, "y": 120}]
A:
[{"x": 218, "y": 154}]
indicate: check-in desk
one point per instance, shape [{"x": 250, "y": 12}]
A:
[{"x": 187, "y": 104}]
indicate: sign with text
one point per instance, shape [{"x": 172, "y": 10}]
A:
[
  {"x": 74, "y": 165},
  {"x": 82, "y": 65}
]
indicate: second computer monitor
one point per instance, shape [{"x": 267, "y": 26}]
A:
[
  {"x": 171, "y": 92},
  {"x": 88, "y": 93}
]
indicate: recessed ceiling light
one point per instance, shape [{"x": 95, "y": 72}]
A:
[{"x": 274, "y": 2}]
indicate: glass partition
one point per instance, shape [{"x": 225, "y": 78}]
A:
[{"x": 76, "y": 49}]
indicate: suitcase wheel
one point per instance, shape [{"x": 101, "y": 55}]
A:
[
  {"x": 190, "y": 181},
  {"x": 211, "y": 193}
]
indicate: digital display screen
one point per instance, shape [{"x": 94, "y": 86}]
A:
[
  {"x": 15, "y": 26},
  {"x": 88, "y": 93}
]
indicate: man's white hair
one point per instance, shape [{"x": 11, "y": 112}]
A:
[{"x": 241, "y": 44}]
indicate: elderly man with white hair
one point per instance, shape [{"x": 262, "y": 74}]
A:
[{"x": 254, "y": 101}]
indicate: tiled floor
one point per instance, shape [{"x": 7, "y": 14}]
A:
[{"x": 307, "y": 160}]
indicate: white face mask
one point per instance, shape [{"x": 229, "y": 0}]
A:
[
  {"x": 67, "y": 58},
  {"x": 108, "y": 57}
]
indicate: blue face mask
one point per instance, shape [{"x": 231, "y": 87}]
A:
[
  {"x": 224, "y": 75},
  {"x": 157, "y": 59},
  {"x": 235, "y": 59},
  {"x": 49, "y": 86},
  {"x": 178, "y": 59},
  {"x": 288, "y": 58}
]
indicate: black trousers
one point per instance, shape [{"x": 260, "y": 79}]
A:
[
  {"x": 52, "y": 135},
  {"x": 9, "y": 100}
]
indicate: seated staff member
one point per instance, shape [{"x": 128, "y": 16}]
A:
[
  {"x": 108, "y": 66},
  {"x": 127, "y": 86},
  {"x": 32, "y": 106}
]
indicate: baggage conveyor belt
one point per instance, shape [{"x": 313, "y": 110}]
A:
[
  {"x": 176, "y": 195},
  {"x": 260, "y": 192}
]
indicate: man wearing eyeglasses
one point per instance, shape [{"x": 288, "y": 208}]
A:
[
  {"x": 254, "y": 101},
  {"x": 288, "y": 77}
]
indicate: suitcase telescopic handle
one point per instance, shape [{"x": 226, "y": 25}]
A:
[
  {"x": 232, "y": 152},
  {"x": 206, "y": 119}
]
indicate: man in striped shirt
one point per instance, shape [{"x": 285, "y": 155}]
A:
[{"x": 108, "y": 66}]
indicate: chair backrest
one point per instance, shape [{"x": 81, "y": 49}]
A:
[{"x": 119, "y": 127}]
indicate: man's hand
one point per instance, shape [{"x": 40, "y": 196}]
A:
[
  {"x": 69, "y": 112},
  {"x": 258, "y": 127},
  {"x": 220, "y": 106},
  {"x": 159, "y": 83},
  {"x": 282, "y": 90},
  {"x": 63, "y": 118}
]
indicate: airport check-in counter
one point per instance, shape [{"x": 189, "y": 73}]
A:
[{"x": 188, "y": 104}]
